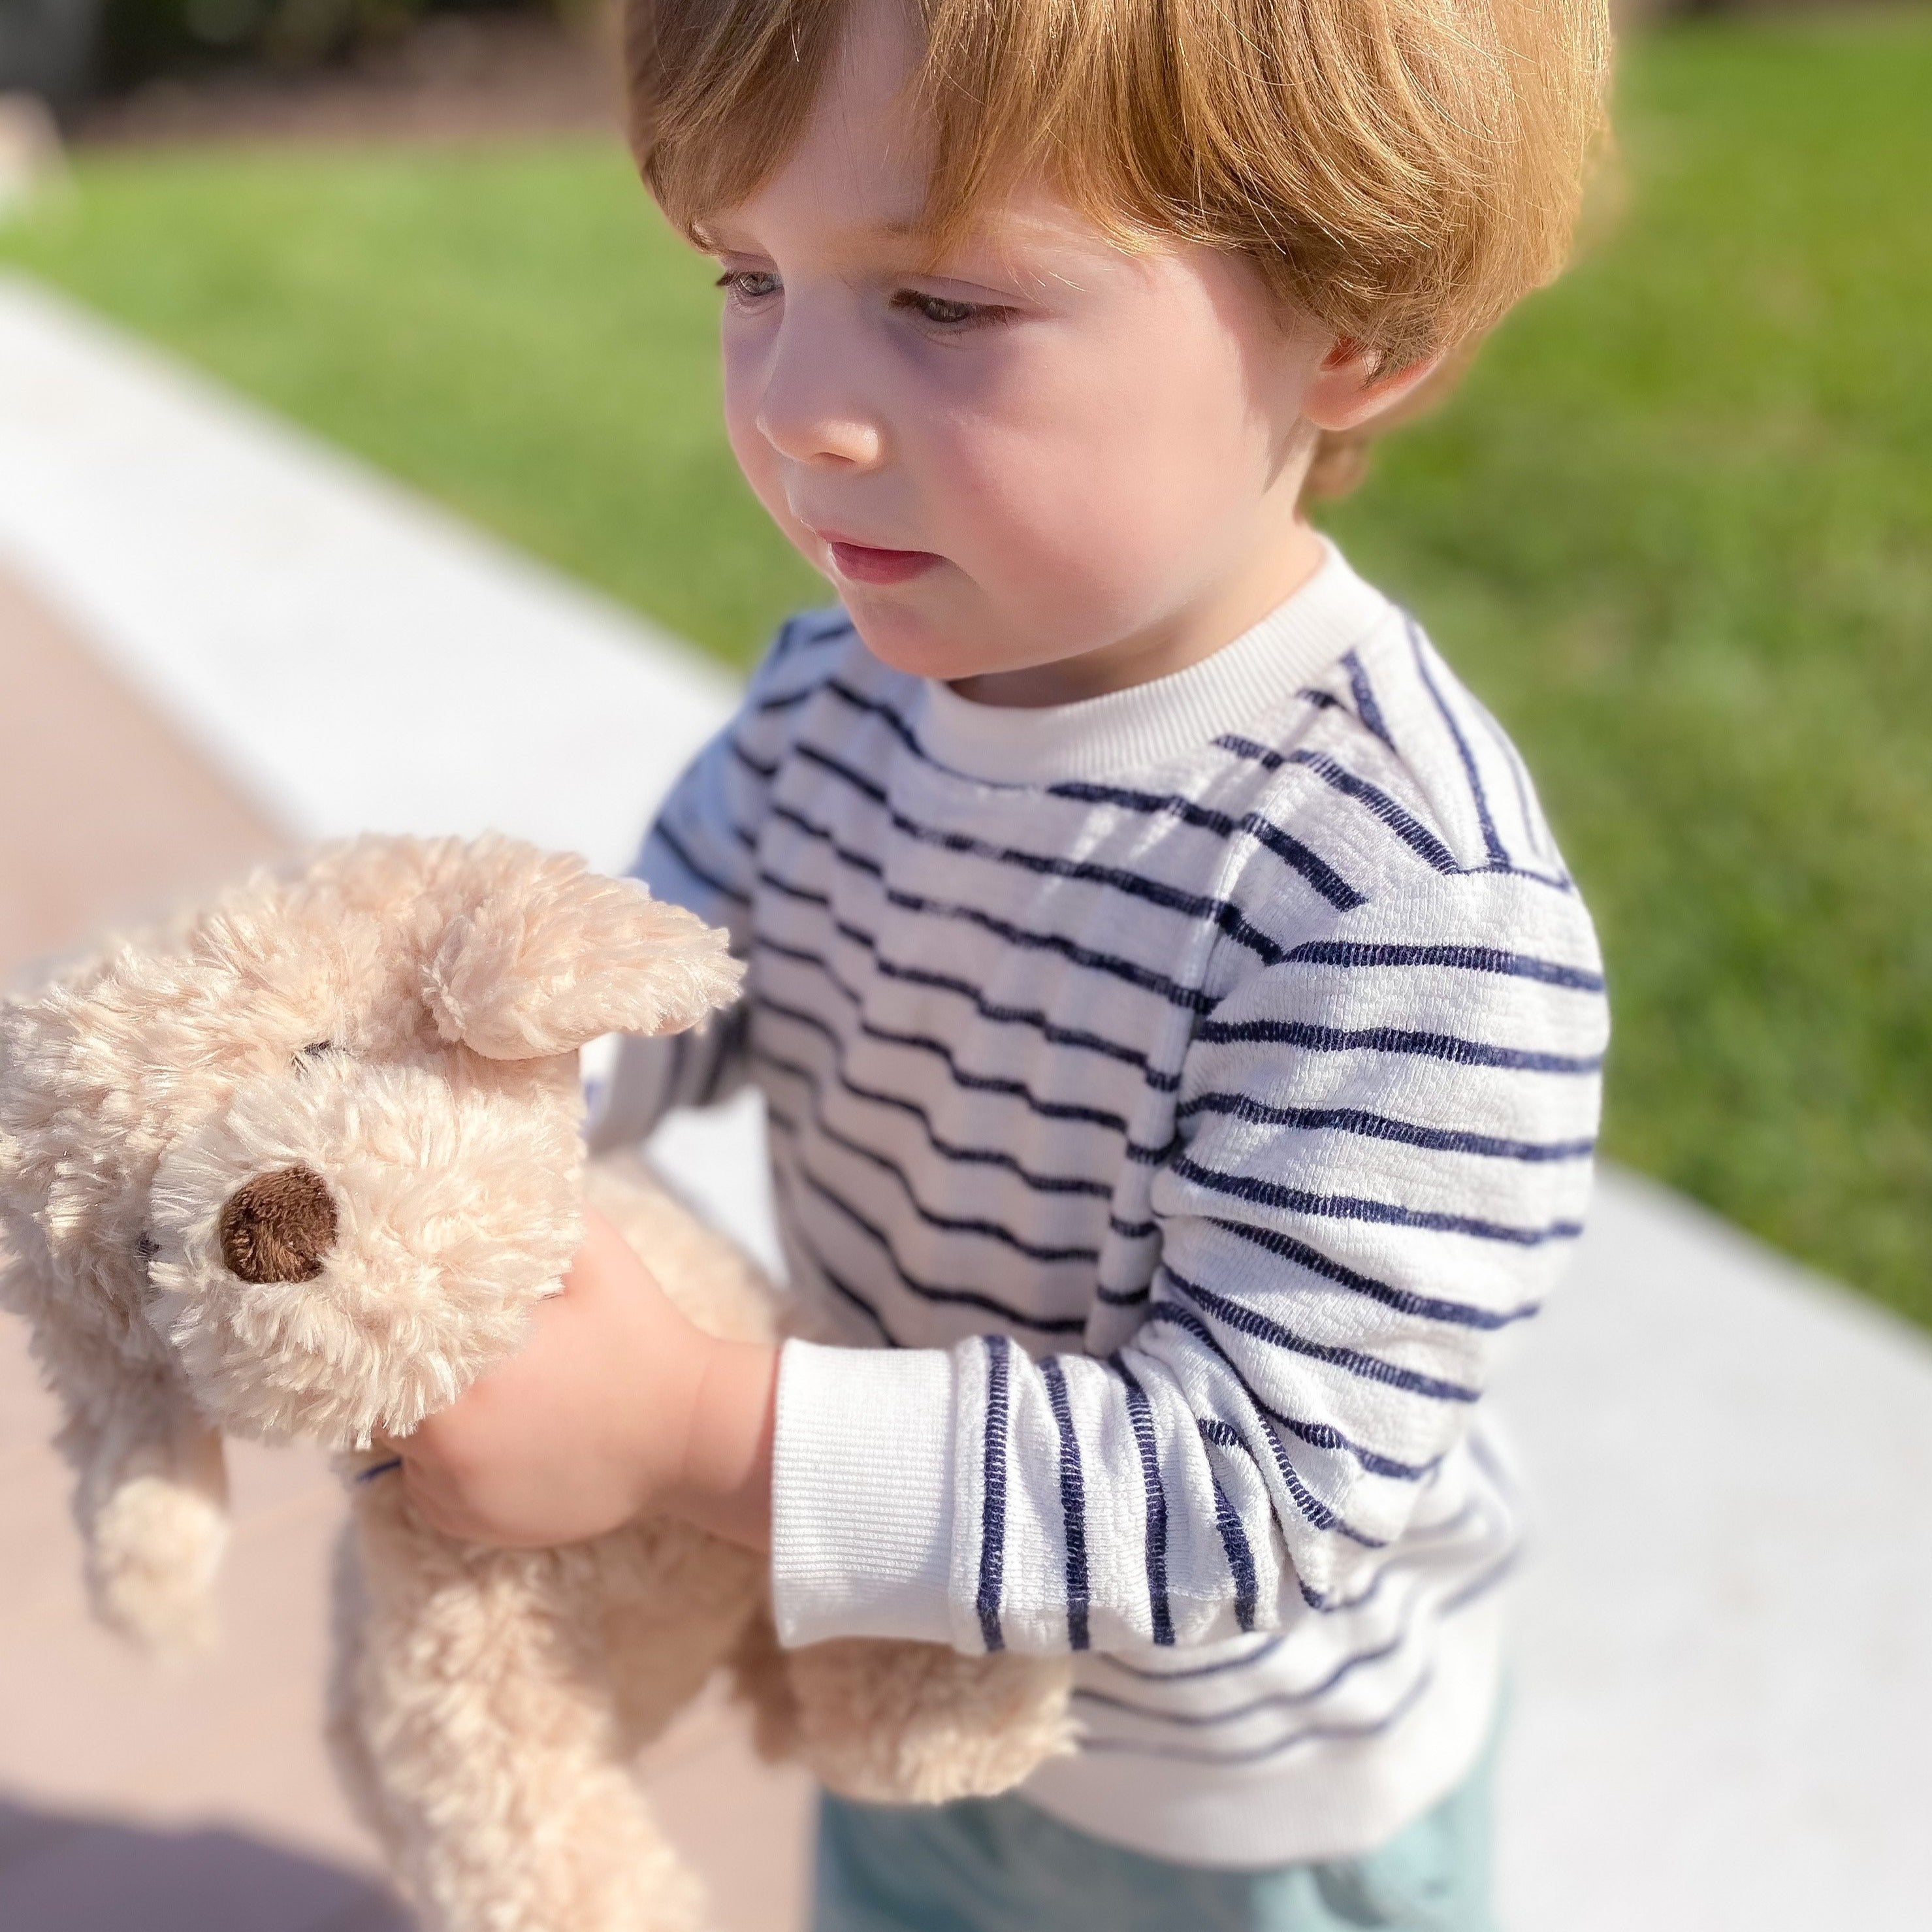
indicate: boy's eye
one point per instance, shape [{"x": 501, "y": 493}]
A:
[
  {"x": 748, "y": 286},
  {"x": 944, "y": 312}
]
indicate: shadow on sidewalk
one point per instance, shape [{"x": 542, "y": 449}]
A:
[{"x": 61, "y": 1873}]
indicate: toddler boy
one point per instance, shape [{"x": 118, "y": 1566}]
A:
[{"x": 1180, "y": 1037}]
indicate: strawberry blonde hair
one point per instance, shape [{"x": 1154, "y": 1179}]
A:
[{"x": 1403, "y": 171}]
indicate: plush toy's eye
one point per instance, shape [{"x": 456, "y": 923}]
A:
[
  {"x": 147, "y": 1247},
  {"x": 316, "y": 1048}
]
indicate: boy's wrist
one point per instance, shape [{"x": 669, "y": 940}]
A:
[{"x": 723, "y": 1482}]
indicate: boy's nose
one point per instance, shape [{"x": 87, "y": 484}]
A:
[
  {"x": 821, "y": 436},
  {"x": 808, "y": 410},
  {"x": 278, "y": 1226}
]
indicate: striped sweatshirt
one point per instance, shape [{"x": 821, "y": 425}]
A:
[{"x": 1174, "y": 1099}]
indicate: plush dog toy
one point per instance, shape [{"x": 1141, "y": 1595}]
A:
[{"x": 301, "y": 1165}]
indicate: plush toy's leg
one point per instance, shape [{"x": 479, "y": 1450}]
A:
[
  {"x": 892, "y": 1723},
  {"x": 481, "y": 1711},
  {"x": 152, "y": 1505},
  {"x": 676, "y": 1601}
]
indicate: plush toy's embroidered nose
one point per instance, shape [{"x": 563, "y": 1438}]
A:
[{"x": 278, "y": 1227}]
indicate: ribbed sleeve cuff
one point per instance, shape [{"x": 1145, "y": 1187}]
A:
[{"x": 861, "y": 1493}]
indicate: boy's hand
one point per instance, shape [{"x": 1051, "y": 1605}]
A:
[{"x": 615, "y": 1406}]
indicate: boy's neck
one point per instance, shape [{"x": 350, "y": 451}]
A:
[{"x": 1233, "y": 607}]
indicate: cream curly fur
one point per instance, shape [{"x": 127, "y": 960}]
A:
[{"x": 395, "y": 1022}]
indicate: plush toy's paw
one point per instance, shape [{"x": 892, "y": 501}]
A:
[
  {"x": 898, "y": 1723},
  {"x": 155, "y": 1546}
]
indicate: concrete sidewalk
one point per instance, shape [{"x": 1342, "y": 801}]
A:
[{"x": 1724, "y": 1695}]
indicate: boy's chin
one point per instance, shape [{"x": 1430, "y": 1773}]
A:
[{"x": 922, "y": 642}]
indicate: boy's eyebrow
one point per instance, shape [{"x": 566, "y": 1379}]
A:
[{"x": 719, "y": 232}]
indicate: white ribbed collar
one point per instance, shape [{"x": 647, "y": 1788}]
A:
[{"x": 1126, "y": 730}]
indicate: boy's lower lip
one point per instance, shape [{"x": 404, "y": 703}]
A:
[{"x": 862, "y": 564}]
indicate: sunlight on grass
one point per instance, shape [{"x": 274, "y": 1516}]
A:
[{"x": 1677, "y": 528}]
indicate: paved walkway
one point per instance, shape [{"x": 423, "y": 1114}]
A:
[{"x": 1724, "y": 1690}]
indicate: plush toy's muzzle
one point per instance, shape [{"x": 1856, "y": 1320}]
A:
[{"x": 347, "y": 1247}]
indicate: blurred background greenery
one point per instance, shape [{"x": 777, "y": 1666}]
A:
[{"x": 1676, "y": 527}]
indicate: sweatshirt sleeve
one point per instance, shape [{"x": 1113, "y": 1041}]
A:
[
  {"x": 1381, "y": 1159},
  {"x": 701, "y": 853}
]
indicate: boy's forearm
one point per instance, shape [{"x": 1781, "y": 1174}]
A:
[{"x": 725, "y": 1480}]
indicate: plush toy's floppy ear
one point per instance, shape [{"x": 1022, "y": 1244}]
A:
[
  {"x": 151, "y": 1491},
  {"x": 544, "y": 962}
]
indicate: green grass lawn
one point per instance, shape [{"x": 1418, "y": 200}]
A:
[{"x": 1676, "y": 528}]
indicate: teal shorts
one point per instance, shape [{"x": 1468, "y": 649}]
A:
[{"x": 1003, "y": 1865}]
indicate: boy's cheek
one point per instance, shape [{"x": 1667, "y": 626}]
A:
[{"x": 759, "y": 465}]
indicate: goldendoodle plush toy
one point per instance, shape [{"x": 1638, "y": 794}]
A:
[{"x": 301, "y": 1164}]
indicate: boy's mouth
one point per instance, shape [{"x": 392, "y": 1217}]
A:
[{"x": 864, "y": 563}]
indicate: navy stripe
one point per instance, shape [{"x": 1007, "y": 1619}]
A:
[
  {"x": 831, "y": 623},
  {"x": 1500, "y": 860},
  {"x": 972, "y": 1083},
  {"x": 1513, "y": 765},
  {"x": 1144, "y": 977},
  {"x": 1397, "y": 1039},
  {"x": 1072, "y": 1503},
  {"x": 994, "y": 1231},
  {"x": 964, "y": 1297},
  {"x": 1312, "y": 867},
  {"x": 675, "y": 847},
  {"x": 1262, "y": 1327},
  {"x": 1480, "y": 1585},
  {"x": 1469, "y": 958},
  {"x": 993, "y": 1496},
  {"x": 1140, "y": 1413},
  {"x": 1265, "y": 1648},
  {"x": 1353, "y": 1208},
  {"x": 877, "y": 708},
  {"x": 1415, "y": 1549},
  {"x": 1405, "y": 1301},
  {"x": 1234, "y": 1539},
  {"x": 1319, "y": 1514},
  {"x": 1275, "y": 1700},
  {"x": 763, "y": 769},
  {"x": 987, "y": 1009},
  {"x": 680, "y": 1052},
  {"x": 1493, "y": 844},
  {"x": 1366, "y": 708},
  {"x": 833, "y": 1280},
  {"x": 966, "y": 1156},
  {"x": 1338, "y": 778},
  {"x": 1310, "y": 1734},
  {"x": 1405, "y": 825},
  {"x": 1229, "y": 918},
  {"x": 1382, "y": 1127},
  {"x": 721, "y": 1046},
  {"x": 1316, "y": 1435},
  {"x": 786, "y": 700}
]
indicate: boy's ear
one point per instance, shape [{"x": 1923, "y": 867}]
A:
[
  {"x": 1349, "y": 391},
  {"x": 546, "y": 963}
]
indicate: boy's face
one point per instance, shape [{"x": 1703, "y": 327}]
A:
[{"x": 1047, "y": 468}]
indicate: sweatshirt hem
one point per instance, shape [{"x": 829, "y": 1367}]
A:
[{"x": 1341, "y": 1800}]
